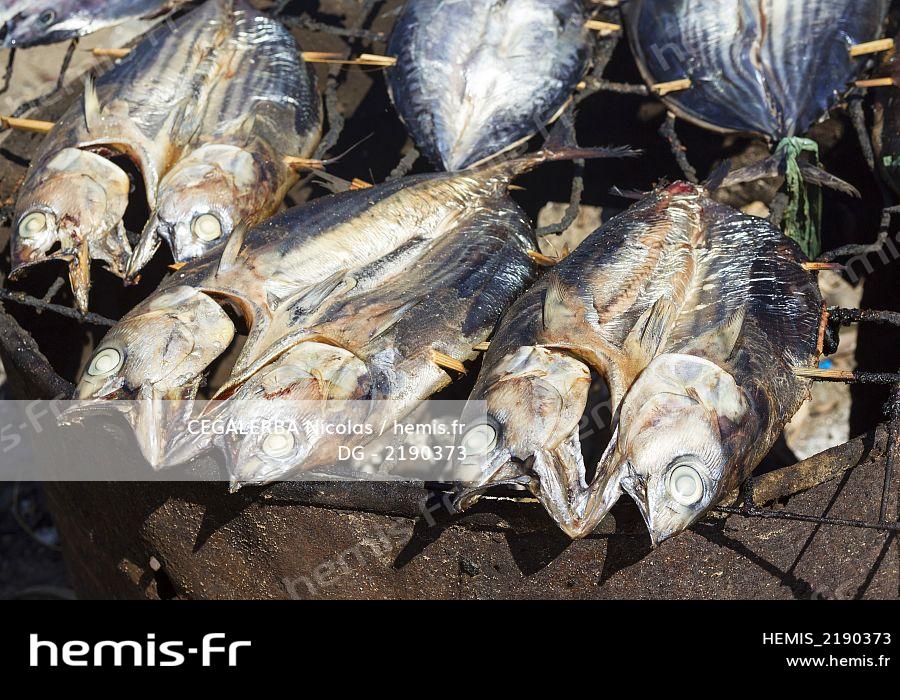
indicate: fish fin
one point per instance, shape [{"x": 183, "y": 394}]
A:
[
  {"x": 648, "y": 337},
  {"x": 717, "y": 176},
  {"x": 91, "y": 103},
  {"x": 721, "y": 340},
  {"x": 768, "y": 167},
  {"x": 818, "y": 176},
  {"x": 556, "y": 312},
  {"x": 233, "y": 247},
  {"x": 310, "y": 298}
]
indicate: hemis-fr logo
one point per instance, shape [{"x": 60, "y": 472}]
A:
[{"x": 213, "y": 650}]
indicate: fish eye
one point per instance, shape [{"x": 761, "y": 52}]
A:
[
  {"x": 32, "y": 224},
  {"x": 480, "y": 439},
  {"x": 46, "y": 17},
  {"x": 278, "y": 444},
  {"x": 105, "y": 362},
  {"x": 206, "y": 227},
  {"x": 685, "y": 484}
]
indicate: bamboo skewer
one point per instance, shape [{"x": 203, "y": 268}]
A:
[
  {"x": 111, "y": 53},
  {"x": 357, "y": 184},
  {"x": 366, "y": 59},
  {"x": 482, "y": 347},
  {"x": 663, "y": 89},
  {"x": 35, "y": 125},
  {"x": 599, "y": 26},
  {"x": 875, "y": 82},
  {"x": 447, "y": 362},
  {"x": 868, "y": 47},
  {"x": 304, "y": 163},
  {"x": 541, "y": 259},
  {"x": 821, "y": 266},
  {"x": 816, "y": 373}
]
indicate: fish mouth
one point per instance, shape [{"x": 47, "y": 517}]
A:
[
  {"x": 155, "y": 230},
  {"x": 76, "y": 255}
]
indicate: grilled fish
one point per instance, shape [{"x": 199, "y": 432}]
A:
[
  {"x": 145, "y": 109},
  {"x": 694, "y": 315},
  {"x": 371, "y": 266},
  {"x": 25, "y": 23},
  {"x": 262, "y": 109},
  {"x": 773, "y": 67},
  {"x": 477, "y": 77}
]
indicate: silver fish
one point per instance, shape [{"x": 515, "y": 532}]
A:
[
  {"x": 477, "y": 77},
  {"x": 694, "y": 315},
  {"x": 146, "y": 109},
  {"x": 772, "y": 67},
  {"x": 373, "y": 266},
  {"x": 25, "y": 23},
  {"x": 263, "y": 109}
]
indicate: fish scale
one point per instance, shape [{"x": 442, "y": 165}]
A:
[{"x": 700, "y": 314}]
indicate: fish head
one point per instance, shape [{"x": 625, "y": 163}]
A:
[
  {"x": 534, "y": 400},
  {"x": 200, "y": 201},
  {"x": 682, "y": 433},
  {"x": 73, "y": 211},
  {"x": 154, "y": 358},
  {"x": 310, "y": 385},
  {"x": 34, "y": 23}
]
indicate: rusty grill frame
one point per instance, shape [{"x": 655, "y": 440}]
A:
[{"x": 356, "y": 34}]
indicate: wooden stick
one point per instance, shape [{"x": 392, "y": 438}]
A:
[
  {"x": 541, "y": 259},
  {"x": 816, "y": 373},
  {"x": 872, "y": 47},
  {"x": 482, "y": 347},
  {"x": 875, "y": 82},
  {"x": 821, "y": 266},
  {"x": 111, "y": 53},
  {"x": 442, "y": 360},
  {"x": 599, "y": 26},
  {"x": 662, "y": 89},
  {"x": 303, "y": 163},
  {"x": 38, "y": 127},
  {"x": 357, "y": 184},
  {"x": 176, "y": 266},
  {"x": 366, "y": 59}
]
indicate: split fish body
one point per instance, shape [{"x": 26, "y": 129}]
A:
[
  {"x": 773, "y": 67},
  {"x": 389, "y": 274},
  {"x": 26, "y": 23},
  {"x": 474, "y": 78},
  {"x": 262, "y": 109},
  {"x": 694, "y": 315},
  {"x": 146, "y": 110}
]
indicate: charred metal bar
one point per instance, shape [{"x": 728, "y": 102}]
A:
[
  {"x": 33, "y": 302},
  {"x": 574, "y": 207},
  {"x": 818, "y": 520},
  {"x": 599, "y": 85},
  {"x": 7, "y": 76},
  {"x": 313, "y": 25},
  {"x": 38, "y": 101},
  {"x": 857, "y": 249},
  {"x": 336, "y": 118},
  {"x": 858, "y": 118},
  {"x": 667, "y": 131},
  {"x": 847, "y": 316},
  {"x": 406, "y": 162},
  {"x": 893, "y": 413}
]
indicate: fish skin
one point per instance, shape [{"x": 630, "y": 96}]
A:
[
  {"x": 746, "y": 76},
  {"x": 143, "y": 108},
  {"x": 375, "y": 343},
  {"x": 263, "y": 108},
  {"x": 28, "y": 23},
  {"x": 160, "y": 349},
  {"x": 476, "y": 77},
  {"x": 694, "y": 315},
  {"x": 325, "y": 270}
]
